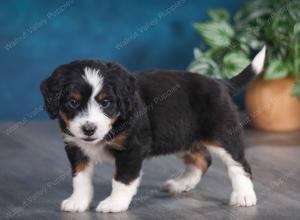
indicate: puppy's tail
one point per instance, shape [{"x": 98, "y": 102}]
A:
[{"x": 241, "y": 80}]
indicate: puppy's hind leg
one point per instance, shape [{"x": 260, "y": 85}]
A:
[
  {"x": 239, "y": 171},
  {"x": 196, "y": 163}
]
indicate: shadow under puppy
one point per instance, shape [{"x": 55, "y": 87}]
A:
[{"x": 108, "y": 114}]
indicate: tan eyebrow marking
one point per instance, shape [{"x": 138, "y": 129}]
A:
[
  {"x": 76, "y": 95},
  {"x": 101, "y": 96}
]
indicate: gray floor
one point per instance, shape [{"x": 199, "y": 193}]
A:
[{"x": 35, "y": 178}]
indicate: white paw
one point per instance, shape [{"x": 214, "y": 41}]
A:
[
  {"x": 75, "y": 204},
  {"x": 113, "y": 204},
  {"x": 243, "y": 199},
  {"x": 175, "y": 186},
  {"x": 185, "y": 182}
]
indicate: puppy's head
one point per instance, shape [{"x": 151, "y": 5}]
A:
[{"x": 88, "y": 97}]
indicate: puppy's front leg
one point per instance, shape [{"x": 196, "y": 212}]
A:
[
  {"x": 124, "y": 184},
  {"x": 82, "y": 170}
]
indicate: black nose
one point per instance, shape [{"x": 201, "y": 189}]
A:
[{"x": 89, "y": 129}]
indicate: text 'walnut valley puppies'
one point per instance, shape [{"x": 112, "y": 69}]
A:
[{"x": 106, "y": 113}]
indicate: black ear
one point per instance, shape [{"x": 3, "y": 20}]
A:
[
  {"x": 51, "y": 88},
  {"x": 124, "y": 86},
  {"x": 126, "y": 91}
]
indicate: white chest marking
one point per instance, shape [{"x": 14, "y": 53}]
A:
[{"x": 97, "y": 153}]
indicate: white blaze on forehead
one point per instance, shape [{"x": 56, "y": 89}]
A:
[
  {"x": 92, "y": 77},
  {"x": 93, "y": 113}
]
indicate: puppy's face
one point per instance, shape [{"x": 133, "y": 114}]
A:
[
  {"x": 88, "y": 109},
  {"x": 88, "y": 97}
]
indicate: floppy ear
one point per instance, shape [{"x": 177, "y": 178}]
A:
[
  {"x": 126, "y": 93},
  {"x": 124, "y": 87},
  {"x": 51, "y": 89}
]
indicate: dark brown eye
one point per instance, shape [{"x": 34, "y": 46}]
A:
[
  {"x": 73, "y": 103},
  {"x": 105, "y": 103}
]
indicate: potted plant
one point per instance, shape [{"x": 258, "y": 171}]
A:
[{"x": 271, "y": 100}]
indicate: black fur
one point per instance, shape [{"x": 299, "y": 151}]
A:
[
  {"x": 241, "y": 81},
  {"x": 161, "y": 112},
  {"x": 75, "y": 156}
]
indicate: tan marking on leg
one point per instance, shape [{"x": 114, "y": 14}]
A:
[
  {"x": 196, "y": 159},
  {"x": 211, "y": 143},
  {"x": 81, "y": 167}
]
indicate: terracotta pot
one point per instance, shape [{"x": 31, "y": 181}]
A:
[{"x": 271, "y": 107}]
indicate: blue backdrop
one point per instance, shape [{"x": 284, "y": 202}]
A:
[{"x": 37, "y": 36}]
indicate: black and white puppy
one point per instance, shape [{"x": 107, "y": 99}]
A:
[{"x": 108, "y": 114}]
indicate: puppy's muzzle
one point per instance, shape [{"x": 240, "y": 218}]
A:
[{"x": 89, "y": 129}]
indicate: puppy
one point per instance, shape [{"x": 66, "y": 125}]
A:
[{"x": 108, "y": 114}]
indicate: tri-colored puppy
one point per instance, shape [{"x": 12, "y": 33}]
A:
[{"x": 107, "y": 113}]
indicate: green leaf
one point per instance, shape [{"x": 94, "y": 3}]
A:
[
  {"x": 296, "y": 89},
  {"x": 297, "y": 28},
  {"x": 206, "y": 67},
  {"x": 215, "y": 33},
  {"x": 245, "y": 48},
  {"x": 293, "y": 11},
  {"x": 197, "y": 54},
  {"x": 219, "y": 14},
  {"x": 276, "y": 70},
  {"x": 234, "y": 63},
  {"x": 247, "y": 37}
]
